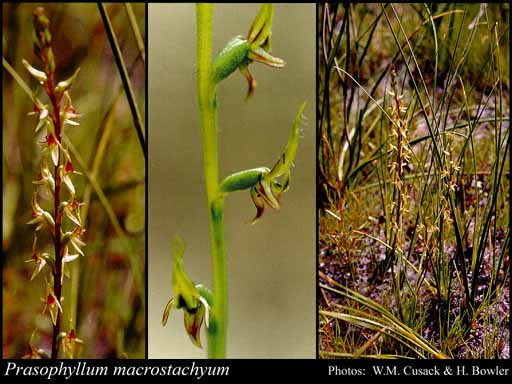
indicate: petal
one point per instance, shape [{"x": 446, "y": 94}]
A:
[
  {"x": 71, "y": 122},
  {"x": 36, "y": 220},
  {"x": 265, "y": 191},
  {"x": 67, "y": 102},
  {"x": 193, "y": 322},
  {"x": 69, "y": 184},
  {"x": 40, "y": 125},
  {"x": 54, "y": 151},
  {"x": 267, "y": 44},
  {"x": 77, "y": 243},
  {"x": 70, "y": 258},
  {"x": 285, "y": 162},
  {"x": 64, "y": 85},
  {"x": 261, "y": 56},
  {"x": 44, "y": 114},
  {"x": 260, "y": 28},
  {"x": 280, "y": 187},
  {"x": 259, "y": 203},
  {"x": 72, "y": 115},
  {"x": 39, "y": 267},
  {"x": 38, "y": 75},
  {"x": 36, "y": 209},
  {"x": 53, "y": 309},
  {"x": 69, "y": 167},
  {"x": 57, "y": 303},
  {"x": 244, "y": 69},
  {"x": 49, "y": 219},
  {"x": 76, "y": 239},
  {"x": 206, "y": 311},
  {"x": 183, "y": 288},
  {"x": 167, "y": 310},
  {"x": 69, "y": 214}
]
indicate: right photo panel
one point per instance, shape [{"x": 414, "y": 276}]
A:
[{"x": 413, "y": 181}]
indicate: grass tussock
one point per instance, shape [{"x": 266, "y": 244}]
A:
[{"x": 413, "y": 178}]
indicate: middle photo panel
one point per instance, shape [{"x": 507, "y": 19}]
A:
[{"x": 231, "y": 173}]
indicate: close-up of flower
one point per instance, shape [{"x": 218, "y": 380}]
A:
[
  {"x": 192, "y": 299},
  {"x": 240, "y": 149},
  {"x": 242, "y": 51}
]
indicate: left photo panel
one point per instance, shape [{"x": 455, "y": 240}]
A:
[{"x": 73, "y": 174}]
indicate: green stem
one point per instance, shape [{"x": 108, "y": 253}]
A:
[{"x": 208, "y": 113}]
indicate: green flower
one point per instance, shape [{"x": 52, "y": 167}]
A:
[
  {"x": 267, "y": 185},
  {"x": 70, "y": 342},
  {"x": 242, "y": 51},
  {"x": 35, "y": 352},
  {"x": 187, "y": 296},
  {"x": 52, "y": 304},
  {"x": 39, "y": 259}
]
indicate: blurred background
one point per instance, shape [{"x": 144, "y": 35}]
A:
[
  {"x": 271, "y": 265},
  {"x": 105, "y": 293}
]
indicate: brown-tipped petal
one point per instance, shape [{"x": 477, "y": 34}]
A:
[
  {"x": 244, "y": 69},
  {"x": 193, "y": 321},
  {"x": 262, "y": 56},
  {"x": 167, "y": 310},
  {"x": 258, "y": 203}
]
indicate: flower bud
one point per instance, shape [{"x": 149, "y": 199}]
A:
[{"x": 40, "y": 76}]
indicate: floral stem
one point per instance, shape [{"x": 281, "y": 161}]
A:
[
  {"x": 208, "y": 111},
  {"x": 57, "y": 273}
]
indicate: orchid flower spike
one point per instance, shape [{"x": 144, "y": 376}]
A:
[{"x": 193, "y": 299}]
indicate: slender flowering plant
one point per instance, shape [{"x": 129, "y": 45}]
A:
[
  {"x": 55, "y": 207},
  {"x": 266, "y": 185}
]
